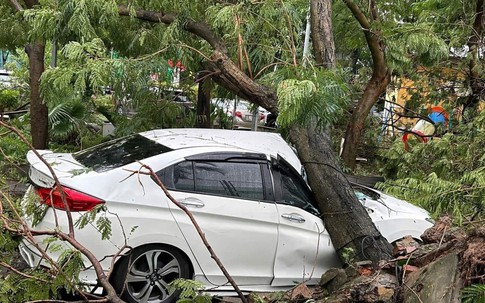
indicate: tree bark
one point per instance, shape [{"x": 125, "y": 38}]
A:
[
  {"x": 476, "y": 82},
  {"x": 344, "y": 216},
  {"x": 203, "y": 111},
  {"x": 375, "y": 87},
  {"x": 39, "y": 122},
  {"x": 38, "y": 109},
  {"x": 322, "y": 33},
  {"x": 233, "y": 79}
]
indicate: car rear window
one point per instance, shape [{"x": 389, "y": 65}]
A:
[{"x": 119, "y": 152}]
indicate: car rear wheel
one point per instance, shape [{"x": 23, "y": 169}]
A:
[{"x": 144, "y": 275}]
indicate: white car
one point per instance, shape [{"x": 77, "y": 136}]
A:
[
  {"x": 245, "y": 190},
  {"x": 240, "y": 111}
]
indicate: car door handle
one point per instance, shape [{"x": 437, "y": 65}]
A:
[
  {"x": 194, "y": 202},
  {"x": 293, "y": 218}
]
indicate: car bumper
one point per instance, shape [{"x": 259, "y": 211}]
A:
[{"x": 31, "y": 256}]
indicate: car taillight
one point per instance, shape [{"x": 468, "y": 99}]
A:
[{"x": 76, "y": 201}]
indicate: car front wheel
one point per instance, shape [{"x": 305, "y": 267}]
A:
[{"x": 145, "y": 274}]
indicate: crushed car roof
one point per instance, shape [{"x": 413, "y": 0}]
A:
[{"x": 261, "y": 142}]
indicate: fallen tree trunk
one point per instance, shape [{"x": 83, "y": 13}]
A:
[{"x": 344, "y": 216}]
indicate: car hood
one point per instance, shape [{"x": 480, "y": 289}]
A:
[
  {"x": 389, "y": 205},
  {"x": 400, "y": 205}
]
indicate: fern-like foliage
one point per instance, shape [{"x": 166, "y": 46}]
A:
[
  {"x": 71, "y": 263},
  {"x": 474, "y": 293},
  {"x": 43, "y": 22},
  {"x": 13, "y": 287},
  {"x": 447, "y": 175},
  {"x": 104, "y": 226},
  {"x": 32, "y": 208},
  {"x": 190, "y": 291},
  {"x": 450, "y": 18},
  {"x": 410, "y": 43},
  {"x": 307, "y": 95},
  {"x": 96, "y": 217},
  {"x": 81, "y": 68}
]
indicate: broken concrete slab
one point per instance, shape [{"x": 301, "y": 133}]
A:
[{"x": 437, "y": 282}]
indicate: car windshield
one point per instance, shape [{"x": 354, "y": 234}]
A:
[
  {"x": 119, "y": 152},
  {"x": 365, "y": 193}
]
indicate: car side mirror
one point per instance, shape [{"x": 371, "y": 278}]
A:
[
  {"x": 275, "y": 163},
  {"x": 279, "y": 164}
]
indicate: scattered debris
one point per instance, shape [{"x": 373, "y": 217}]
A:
[
  {"x": 435, "y": 271},
  {"x": 333, "y": 279},
  {"x": 301, "y": 292}
]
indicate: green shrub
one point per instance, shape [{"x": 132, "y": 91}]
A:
[
  {"x": 447, "y": 175},
  {"x": 9, "y": 98}
]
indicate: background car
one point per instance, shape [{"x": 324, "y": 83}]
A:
[
  {"x": 253, "y": 205},
  {"x": 242, "y": 112}
]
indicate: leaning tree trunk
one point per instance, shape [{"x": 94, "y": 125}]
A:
[
  {"x": 38, "y": 109},
  {"x": 344, "y": 216},
  {"x": 374, "y": 88},
  {"x": 335, "y": 197}
]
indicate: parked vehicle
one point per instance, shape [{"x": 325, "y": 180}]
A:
[
  {"x": 241, "y": 112},
  {"x": 245, "y": 190}
]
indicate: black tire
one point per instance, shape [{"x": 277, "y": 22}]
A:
[{"x": 144, "y": 275}]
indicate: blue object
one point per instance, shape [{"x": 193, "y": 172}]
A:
[{"x": 437, "y": 117}]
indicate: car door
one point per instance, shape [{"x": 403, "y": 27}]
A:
[
  {"x": 304, "y": 249},
  {"x": 232, "y": 200}
]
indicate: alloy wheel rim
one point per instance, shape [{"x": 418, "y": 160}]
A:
[{"x": 149, "y": 275}]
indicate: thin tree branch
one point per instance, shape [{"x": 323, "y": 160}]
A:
[
  {"x": 69, "y": 238},
  {"x": 200, "y": 29},
  {"x": 373, "y": 40},
  {"x": 54, "y": 176},
  {"x": 268, "y": 66},
  {"x": 292, "y": 39},
  {"x": 18, "y": 272},
  {"x": 358, "y": 14},
  {"x": 196, "y": 225},
  {"x": 16, "y": 5},
  {"x": 27, "y": 234}
]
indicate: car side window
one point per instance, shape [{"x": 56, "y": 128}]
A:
[
  {"x": 235, "y": 179},
  {"x": 229, "y": 179},
  {"x": 183, "y": 176},
  {"x": 295, "y": 192}
]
